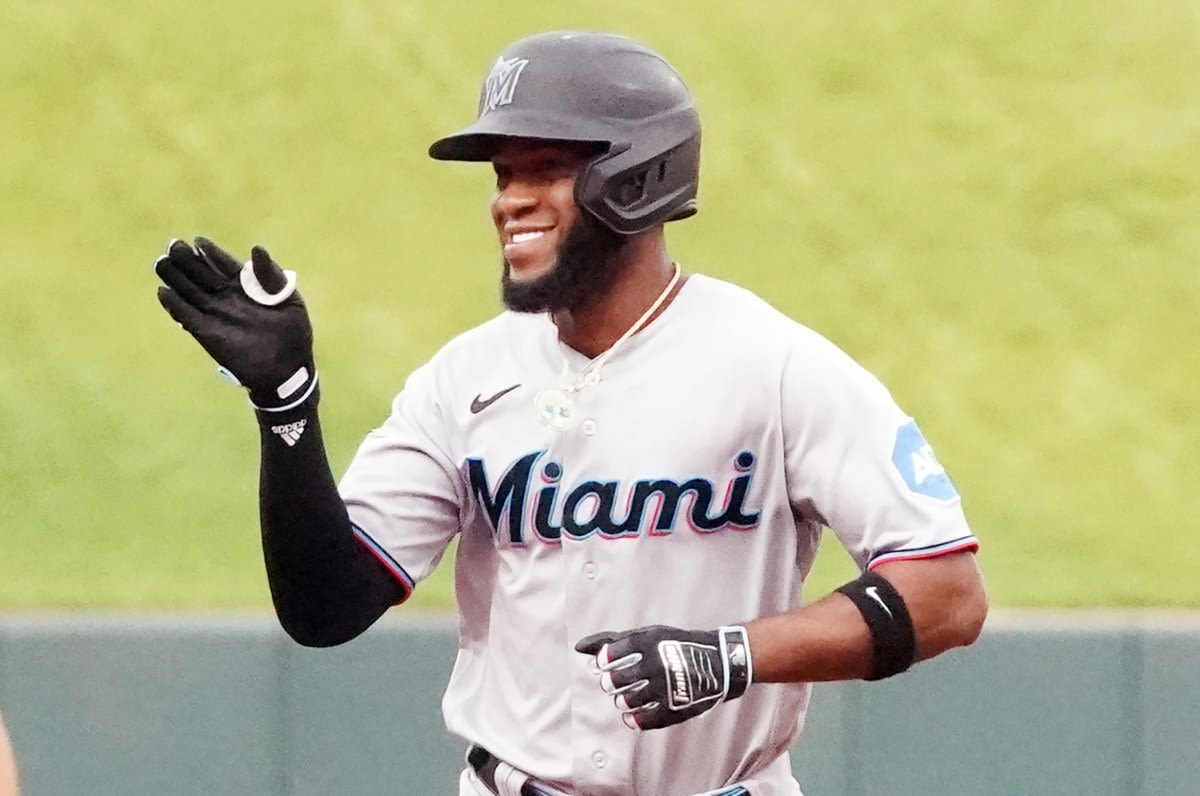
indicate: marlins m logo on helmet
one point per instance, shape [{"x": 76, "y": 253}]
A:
[{"x": 501, "y": 83}]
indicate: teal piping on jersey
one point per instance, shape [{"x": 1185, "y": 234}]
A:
[
  {"x": 929, "y": 551},
  {"x": 389, "y": 563}
]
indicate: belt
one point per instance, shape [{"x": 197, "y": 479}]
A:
[{"x": 484, "y": 763}]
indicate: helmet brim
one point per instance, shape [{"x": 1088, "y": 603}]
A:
[{"x": 479, "y": 142}]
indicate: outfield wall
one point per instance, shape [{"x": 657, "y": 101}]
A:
[{"x": 1064, "y": 705}]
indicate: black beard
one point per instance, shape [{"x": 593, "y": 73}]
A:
[{"x": 586, "y": 265}]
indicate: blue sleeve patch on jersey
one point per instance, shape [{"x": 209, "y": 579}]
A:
[{"x": 914, "y": 460}]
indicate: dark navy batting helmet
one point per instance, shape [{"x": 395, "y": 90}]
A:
[{"x": 601, "y": 89}]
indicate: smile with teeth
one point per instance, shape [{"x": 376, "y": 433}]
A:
[{"x": 525, "y": 237}]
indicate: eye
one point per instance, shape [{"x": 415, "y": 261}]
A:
[
  {"x": 503, "y": 175},
  {"x": 555, "y": 169}
]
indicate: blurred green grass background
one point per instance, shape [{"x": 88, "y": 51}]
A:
[{"x": 992, "y": 205}]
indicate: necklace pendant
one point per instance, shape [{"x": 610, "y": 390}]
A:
[{"x": 555, "y": 409}]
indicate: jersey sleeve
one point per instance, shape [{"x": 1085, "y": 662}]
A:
[
  {"x": 857, "y": 462},
  {"x": 402, "y": 489}
]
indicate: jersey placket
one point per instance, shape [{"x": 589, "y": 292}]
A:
[{"x": 602, "y": 745}]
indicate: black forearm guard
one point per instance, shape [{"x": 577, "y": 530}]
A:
[{"x": 326, "y": 586}]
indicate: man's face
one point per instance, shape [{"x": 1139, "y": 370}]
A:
[{"x": 555, "y": 256}]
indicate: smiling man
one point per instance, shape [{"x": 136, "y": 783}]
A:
[
  {"x": 555, "y": 258},
  {"x": 638, "y": 464}
]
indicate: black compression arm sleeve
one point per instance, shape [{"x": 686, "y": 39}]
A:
[{"x": 326, "y": 586}]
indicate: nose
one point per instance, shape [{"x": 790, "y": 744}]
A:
[{"x": 516, "y": 198}]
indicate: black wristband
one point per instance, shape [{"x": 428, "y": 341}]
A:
[{"x": 893, "y": 638}]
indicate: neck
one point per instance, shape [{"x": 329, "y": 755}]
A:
[{"x": 643, "y": 274}]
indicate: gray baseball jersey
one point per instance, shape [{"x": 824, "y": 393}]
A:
[{"x": 690, "y": 489}]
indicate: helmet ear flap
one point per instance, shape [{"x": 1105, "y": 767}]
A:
[{"x": 630, "y": 194}]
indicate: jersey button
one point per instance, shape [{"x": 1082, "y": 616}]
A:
[
  {"x": 590, "y": 570},
  {"x": 588, "y": 427},
  {"x": 599, "y": 759}
]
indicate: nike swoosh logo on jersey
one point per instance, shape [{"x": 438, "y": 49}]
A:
[
  {"x": 873, "y": 593},
  {"x": 478, "y": 403}
]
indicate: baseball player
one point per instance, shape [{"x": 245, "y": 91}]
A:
[{"x": 638, "y": 463}]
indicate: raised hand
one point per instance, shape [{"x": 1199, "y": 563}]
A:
[{"x": 249, "y": 318}]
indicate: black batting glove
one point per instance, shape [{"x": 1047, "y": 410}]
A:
[
  {"x": 659, "y": 675},
  {"x": 249, "y": 318}
]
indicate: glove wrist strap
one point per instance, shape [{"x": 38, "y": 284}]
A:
[
  {"x": 735, "y": 652},
  {"x": 298, "y": 388}
]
